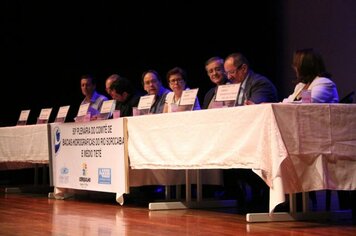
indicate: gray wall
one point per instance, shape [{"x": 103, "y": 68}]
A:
[{"x": 326, "y": 25}]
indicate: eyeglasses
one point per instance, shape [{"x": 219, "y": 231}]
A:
[
  {"x": 231, "y": 72},
  {"x": 173, "y": 81}
]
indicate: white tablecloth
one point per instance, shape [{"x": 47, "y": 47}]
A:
[
  {"x": 292, "y": 147},
  {"x": 321, "y": 143},
  {"x": 23, "y": 146}
]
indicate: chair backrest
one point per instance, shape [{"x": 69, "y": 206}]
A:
[{"x": 349, "y": 98}]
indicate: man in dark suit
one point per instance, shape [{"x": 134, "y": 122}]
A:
[
  {"x": 254, "y": 89},
  {"x": 125, "y": 95},
  {"x": 215, "y": 69},
  {"x": 152, "y": 84}
]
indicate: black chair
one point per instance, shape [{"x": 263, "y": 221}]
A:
[{"x": 349, "y": 98}]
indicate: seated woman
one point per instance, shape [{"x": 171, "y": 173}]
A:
[
  {"x": 311, "y": 75},
  {"x": 177, "y": 80}
]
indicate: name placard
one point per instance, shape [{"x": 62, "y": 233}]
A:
[
  {"x": 62, "y": 112},
  {"x": 83, "y": 109},
  {"x": 188, "y": 96},
  {"x": 108, "y": 106},
  {"x": 24, "y": 115},
  {"x": 146, "y": 102},
  {"x": 45, "y": 113},
  {"x": 227, "y": 92}
]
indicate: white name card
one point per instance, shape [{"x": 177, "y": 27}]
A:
[
  {"x": 146, "y": 102},
  {"x": 108, "y": 106},
  {"x": 45, "y": 113},
  {"x": 24, "y": 115},
  {"x": 63, "y": 111},
  {"x": 188, "y": 96},
  {"x": 83, "y": 109},
  {"x": 227, "y": 92}
]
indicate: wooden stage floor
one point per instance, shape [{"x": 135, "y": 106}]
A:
[{"x": 35, "y": 214}]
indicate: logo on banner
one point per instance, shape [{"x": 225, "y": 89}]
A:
[
  {"x": 104, "y": 176},
  {"x": 64, "y": 175},
  {"x": 84, "y": 180},
  {"x": 84, "y": 169},
  {"x": 64, "y": 170},
  {"x": 57, "y": 139}
]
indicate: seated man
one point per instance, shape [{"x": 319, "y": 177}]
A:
[
  {"x": 215, "y": 69},
  {"x": 125, "y": 95},
  {"x": 254, "y": 89},
  {"x": 152, "y": 84},
  {"x": 88, "y": 87}
]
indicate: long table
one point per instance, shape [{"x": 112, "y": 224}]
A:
[
  {"x": 25, "y": 147},
  {"x": 93, "y": 156},
  {"x": 292, "y": 147}
]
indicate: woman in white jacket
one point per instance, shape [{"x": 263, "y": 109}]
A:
[{"x": 312, "y": 75}]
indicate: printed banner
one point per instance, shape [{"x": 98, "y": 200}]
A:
[{"x": 89, "y": 155}]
